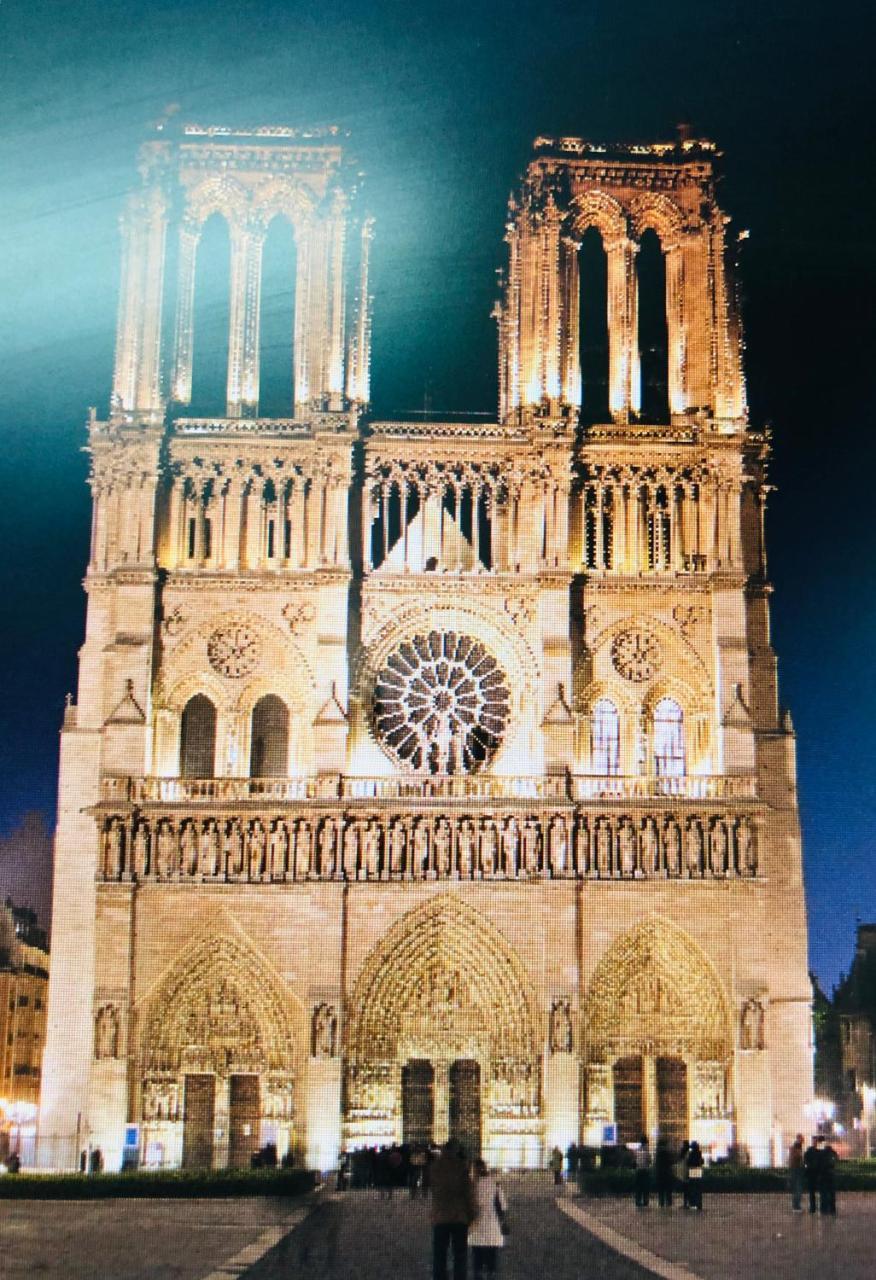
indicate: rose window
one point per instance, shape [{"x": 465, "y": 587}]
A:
[{"x": 441, "y": 703}]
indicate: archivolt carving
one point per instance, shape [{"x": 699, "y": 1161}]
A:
[
  {"x": 219, "y": 1009},
  {"x": 655, "y": 991},
  {"x": 657, "y": 212},
  {"x": 443, "y": 984},
  {"x": 596, "y": 209},
  {"x": 284, "y": 196},
  {"x": 217, "y": 194}
]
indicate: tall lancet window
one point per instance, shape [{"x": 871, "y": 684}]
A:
[
  {"x": 198, "y": 738},
  {"x": 669, "y": 760},
  {"x": 605, "y": 741}
]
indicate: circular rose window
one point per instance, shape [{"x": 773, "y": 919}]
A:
[{"x": 441, "y": 703}]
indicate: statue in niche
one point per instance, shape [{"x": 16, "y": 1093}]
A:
[
  {"x": 325, "y": 1031},
  {"x": 234, "y": 850},
  {"x": 746, "y": 848},
  {"x": 303, "y": 851},
  {"x": 278, "y": 850},
  {"x": 351, "y": 850},
  {"x": 257, "y": 847},
  {"x": 106, "y": 1032},
  {"x": 510, "y": 847},
  {"x": 489, "y": 848},
  {"x": 465, "y": 845},
  {"x": 718, "y": 851},
  {"x": 205, "y": 859},
  {"x": 531, "y": 850},
  {"x": 559, "y": 847},
  {"x": 421, "y": 848},
  {"x": 694, "y": 848},
  {"x": 442, "y": 848},
  {"x": 112, "y": 860},
  {"x": 582, "y": 847},
  {"x": 371, "y": 851},
  {"x": 650, "y": 848},
  {"x": 561, "y": 1027},
  {"x": 327, "y": 848},
  {"x": 603, "y": 848},
  {"x": 166, "y": 858},
  {"x": 397, "y": 848},
  {"x": 627, "y": 848},
  {"x": 188, "y": 845},
  {"x": 672, "y": 843},
  {"x": 751, "y": 1025},
  {"x": 141, "y": 851}
]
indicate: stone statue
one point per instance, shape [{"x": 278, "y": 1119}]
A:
[
  {"x": 371, "y": 852},
  {"x": 166, "y": 850},
  {"x": 112, "y": 863},
  {"x": 234, "y": 851},
  {"x": 397, "y": 848},
  {"x": 442, "y": 848},
  {"x": 465, "y": 842},
  {"x": 751, "y": 1025},
  {"x": 627, "y": 849},
  {"x": 421, "y": 848},
  {"x": 530, "y": 847},
  {"x": 746, "y": 848},
  {"x": 351, "y": 850},
  {"x": 489, "y": 848},
  {"x": 559, "y": 847},
  {"x": 582, "y": 847},
  {"x": 510, "y": 847},
  {"x": 694, "y": 848},
  {"x": 325, "y": 1027},
  {"x": 106, "y": 1032},
  {"x": 141, "y": 851},
  {"x": 188, "y": 845},
  {"x": 561, "y": 1027},
  {"x": 278, "y": 849},
  {"x": 327, "y": 848},
  {"x": 303, "y": 851},
  {"x": 650, "y": 848},
  {"x": 256, "y": 851},
  {"x": 672, "y": 841},
  {"x": 718, "y": 852}
]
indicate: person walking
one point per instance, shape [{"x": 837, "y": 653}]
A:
[
  {"x": 556, "y": 1166},
  {"x": 663, "y": 1173},
  {"x": 695, "y": 1164},
  {"x": 417, "y": 1172},
  {"x": 827, "y": 1179},
  {"x": 795, "y": 1171},
  {"x": 681, "y": 1166},
  {"x": 453, "y": 1209},
  {"x": 642, "y": 1176},
  {"x": 812, "y": 1168},
  {"x": 486, "y": 1235}
]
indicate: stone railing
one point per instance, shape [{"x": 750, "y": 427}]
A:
[{"x": 462, "y": 788}]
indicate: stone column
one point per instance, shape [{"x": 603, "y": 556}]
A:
[
  {"x": 624, "y": 378},
  {"x": 136, "y": 378},
  {"x": 300, "y": 351},
  {"x": 571, "y": 358},
  {"x": 549, "y": 341},
  {"x": 184, "y": 335},
  {"x": 675, "y": 325},
  {"x": 359, "y": 359},
  {"x": 336, "y": 238},
  {"x": 243, "y": 330}
]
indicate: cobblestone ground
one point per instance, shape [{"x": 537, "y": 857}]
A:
[
  {"x": 755, "y": 1237},
  {"x": 360, "y": 1237}
]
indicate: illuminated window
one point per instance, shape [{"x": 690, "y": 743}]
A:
[
  {"x": 668, "y": 739},
  {"x": 605, "y": 751}
]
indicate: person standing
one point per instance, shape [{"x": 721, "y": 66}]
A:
[
  {"x": 642, "y": 1177},
  {"x": 487, "y": 1233},
  {"x": 795, "y": 1170},
  {"x": 453, "y": 1209},
  {"x": 827, "y": 1179},
  {"x": 695, "y": 1164},
  {"x": 556, "y": 1166},
  {"x": 811, "y": 1167},
  {"x": 663, "y": 1163},
  {"x": 681, "y": 1165}
]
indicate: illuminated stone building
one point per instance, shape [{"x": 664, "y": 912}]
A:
[
  {"x": 429, "y": 778},
  {"x": 24, "y": 989}
]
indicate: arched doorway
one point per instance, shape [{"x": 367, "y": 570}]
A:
[
  {"x": 657, "y": 1039},
  {"x": 441, "y": 1039},
  {"x": 269, "y": 739},
  {"x": 198, "y": 738},
  {"x": 218, "y": 1060}
]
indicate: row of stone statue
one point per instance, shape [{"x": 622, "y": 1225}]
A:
[{"x": 419, "y": 847}]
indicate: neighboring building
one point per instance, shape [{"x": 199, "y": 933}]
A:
[
  {"x": 855, "y": 1005},
  {"x": 429, "y": 778},
  {"x": 24, "y": 989}
]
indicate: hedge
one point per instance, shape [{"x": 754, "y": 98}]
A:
[
  {"x": 166, "y": 1183},
  {"x": 851, "y": 1175}
]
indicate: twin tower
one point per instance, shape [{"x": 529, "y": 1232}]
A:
[{"x": 427, "y": 778}]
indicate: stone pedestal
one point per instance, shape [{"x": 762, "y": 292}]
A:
[
  {"x": 561, "y": 1104},
  {"x": 322, "y": 1113},
  {"x": 754, "y": 1109}
]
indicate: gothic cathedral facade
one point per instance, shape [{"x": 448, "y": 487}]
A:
[{"x": 427, "y": 778}]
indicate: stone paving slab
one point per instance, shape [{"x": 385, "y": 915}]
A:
[
  {"x": 752, "y": 1236},
  {"x": 133, "y": 1239}
]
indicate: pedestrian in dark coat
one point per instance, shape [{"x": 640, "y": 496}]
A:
[
  {"x": 453, "y": 1208},
  {"x": 795, "y": 1172},
  {"x": 695, "y": 1163},
  {"x": 811, "y": 1167},
  {"x": 681, "y": 1164},
  {"x": 663, "y": 1173},
  {"x": 827, "y": 1178},
  {"x": 642, "y": 1176}
]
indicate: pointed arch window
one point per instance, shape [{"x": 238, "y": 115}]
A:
[
  {"x": 668, "y": 739},
  {"x": 198, "y": 738},
  {"x": 605, "y": 739},
  {"x": 269, "y": 750}
]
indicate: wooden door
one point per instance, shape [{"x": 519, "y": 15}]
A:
[
  {"x": 243, "y": 1121},
  {"x": 199, "y": 1107},
  {"x": 672, "y": 1100},
  {"x": 465, "y": 1105},
  {"x": 418, "y": 1101},
  {"x": 629, "y": 1099}
]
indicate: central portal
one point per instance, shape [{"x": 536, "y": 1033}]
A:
[
  {"x": 465, "y": 1105},
  {"x": 418, "y": 1102},
  {"x": 458, "y": 1103}
]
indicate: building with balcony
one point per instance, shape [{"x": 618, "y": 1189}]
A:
[{"x": 429, "y": 778}]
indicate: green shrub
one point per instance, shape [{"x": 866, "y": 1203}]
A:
[
  {"x": 851, "y": 1175},
  {"x": 164, "y": 1183}
]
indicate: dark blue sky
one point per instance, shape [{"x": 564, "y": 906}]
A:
[{"x": 442, "y": 101}]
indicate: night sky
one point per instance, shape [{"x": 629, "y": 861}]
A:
[{"x": 442, "y": 102}]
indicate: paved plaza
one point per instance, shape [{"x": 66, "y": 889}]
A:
[{"x": 358, "y": 1236}]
